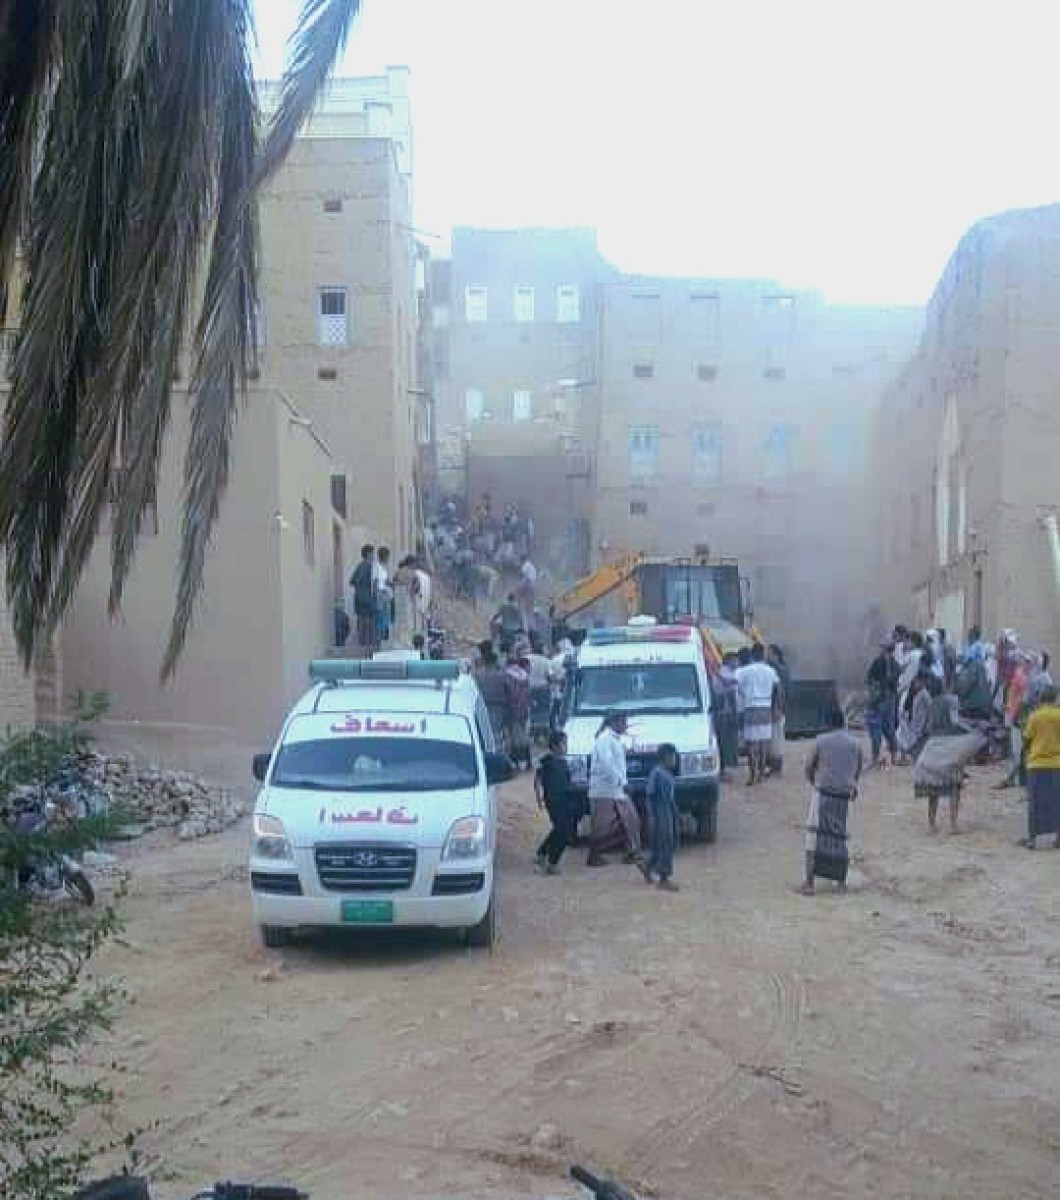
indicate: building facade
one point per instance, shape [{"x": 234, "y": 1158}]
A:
[
  {"x": 271, "y": 575},
  {"x": 516, "y": 347},
  {"x": 968, "y": 438},
  {"x": 341, "y": 309},
  {"x": 327, "y": 448},
  {"x": 735, "y": 417}
]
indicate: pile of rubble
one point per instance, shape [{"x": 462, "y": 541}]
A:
[
  {"x": 155, "y": 798},
  {"x": 464, "y": 626}
]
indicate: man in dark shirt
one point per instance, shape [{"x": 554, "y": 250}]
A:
[
  {"x": 662, "y": 806},
  {"x": 365, "y": 607},
  {"x": 508, "y": 623},
  {"x": 552, "y": 789},
  {"x": 881, "y": 716}
]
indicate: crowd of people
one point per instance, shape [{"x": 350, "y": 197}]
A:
[
  {"x": 939, "y": 708},
  {"x": 522, "y": 687},
  {"x": 930, "y": 706},
  {"x": 487, "y": 555},
  {"x": 374, "y": 588}
]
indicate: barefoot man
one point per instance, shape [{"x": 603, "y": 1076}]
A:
[{"x": 833, "y": 769}]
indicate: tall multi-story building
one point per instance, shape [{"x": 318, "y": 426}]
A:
[
  {"x": 516, "y": 347},
  {"x": 344, "y": 278},
  {"x": 326, "y": 453},
  {"x": 968, "y": 440},
  {"x": 734, "y": 417}
]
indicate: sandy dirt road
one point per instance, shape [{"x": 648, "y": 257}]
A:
[{"x": 735, "y": 1040}]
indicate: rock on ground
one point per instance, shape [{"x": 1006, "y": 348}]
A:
[{"x": 156, "y": 798}]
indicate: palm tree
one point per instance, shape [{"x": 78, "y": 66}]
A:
[{"x": 130, "y": 164}]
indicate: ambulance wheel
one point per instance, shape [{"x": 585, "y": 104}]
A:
[
  {"x": 706, "y": 817},
  {"x": 275, "y": 937},
  {"x": 484, "y": 935}
]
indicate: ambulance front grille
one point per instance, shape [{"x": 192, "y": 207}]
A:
[{"x": 365, "y": 867}]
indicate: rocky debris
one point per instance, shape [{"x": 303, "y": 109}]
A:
[
  {"x": 464, "y": 626},
  {"x": 156, "y": 798}
]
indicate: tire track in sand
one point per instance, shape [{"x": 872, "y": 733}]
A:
[{"x": 653, "y": 1147}]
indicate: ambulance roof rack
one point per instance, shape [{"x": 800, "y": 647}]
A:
[
  {"x": 336, "y": 671},
  {"x": 627, "y": 635}
]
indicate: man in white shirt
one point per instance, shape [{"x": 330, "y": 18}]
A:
[
  {"x": 422, "y": 598},
  {"x": 384, "y": 592},
  {"x": 615, "y": 823},
  {"x": 757, "y": 687}
]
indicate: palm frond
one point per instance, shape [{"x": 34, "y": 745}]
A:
[
  {"x": 313, "y": 51},
  {"x": 26, "y": 28},
  {"x": 225, "y": 338},
  {"x": 71, "y": 250},
  {"x": 172, "y": 228},
  {"x": 127, "y": 135}
]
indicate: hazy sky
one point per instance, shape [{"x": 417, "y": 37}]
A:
[{"x": 836, "y": 144}]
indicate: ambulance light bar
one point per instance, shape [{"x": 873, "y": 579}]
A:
[
  {"x": 649, "y": 633},
  {"x": 349, "y": 670}
]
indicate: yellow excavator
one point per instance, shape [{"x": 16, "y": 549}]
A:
[{"x": 709, "y": 593}]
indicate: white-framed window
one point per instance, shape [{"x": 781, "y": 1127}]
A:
[
  {"x": 523, "y": 303},
  {"x": 476, "y": 303},
  {"x": 474, "y": 404},
  {"x": 332, "y": 318},
  {"x": 707, "y": 453},
  {"x": 643, "y": 452},
  {"x": 779, "y": 452},
  {"x": 568, "y": 304},
  {"x": 522, "y": 405}
]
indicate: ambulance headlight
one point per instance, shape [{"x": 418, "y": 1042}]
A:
[
  {"x": 467, "y": 839},
  {"x": 270, "y": 838}
]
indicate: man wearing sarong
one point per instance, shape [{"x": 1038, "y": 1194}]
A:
[
  {"x": 1042, "y": 743},
  {"x": 758, "y": 685},
  {"x": 939, "y": 769},
  {"x": 833, "y": 769},
  {"x": 727, "y": 713},
  {"x": 615, "y": 823}
]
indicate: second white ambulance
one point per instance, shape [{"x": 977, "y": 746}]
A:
[{"x": 657, "y": 675}]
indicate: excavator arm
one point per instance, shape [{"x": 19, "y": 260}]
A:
[{"x": 602, "y": 582}]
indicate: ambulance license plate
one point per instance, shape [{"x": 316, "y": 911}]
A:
[{"x": 368, "y": 912}]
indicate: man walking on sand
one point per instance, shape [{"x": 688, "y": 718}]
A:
[
  {"x": 758, "y": 686},
  {"x": 661, "y": 803},
  {"x": 615, "y": 823},
  {"x": 833, "y": 769}
]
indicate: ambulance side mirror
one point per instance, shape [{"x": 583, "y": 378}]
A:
[
  {"x": 259, "y": 765},
  {"x": 499, "y": 769}
]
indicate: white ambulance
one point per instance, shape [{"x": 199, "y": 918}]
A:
[
  {"x": 657, "y": 675},
  {"x": 378, "y": 804}
]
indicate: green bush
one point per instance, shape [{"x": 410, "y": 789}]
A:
[{"x": 50, "y": 1010}]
